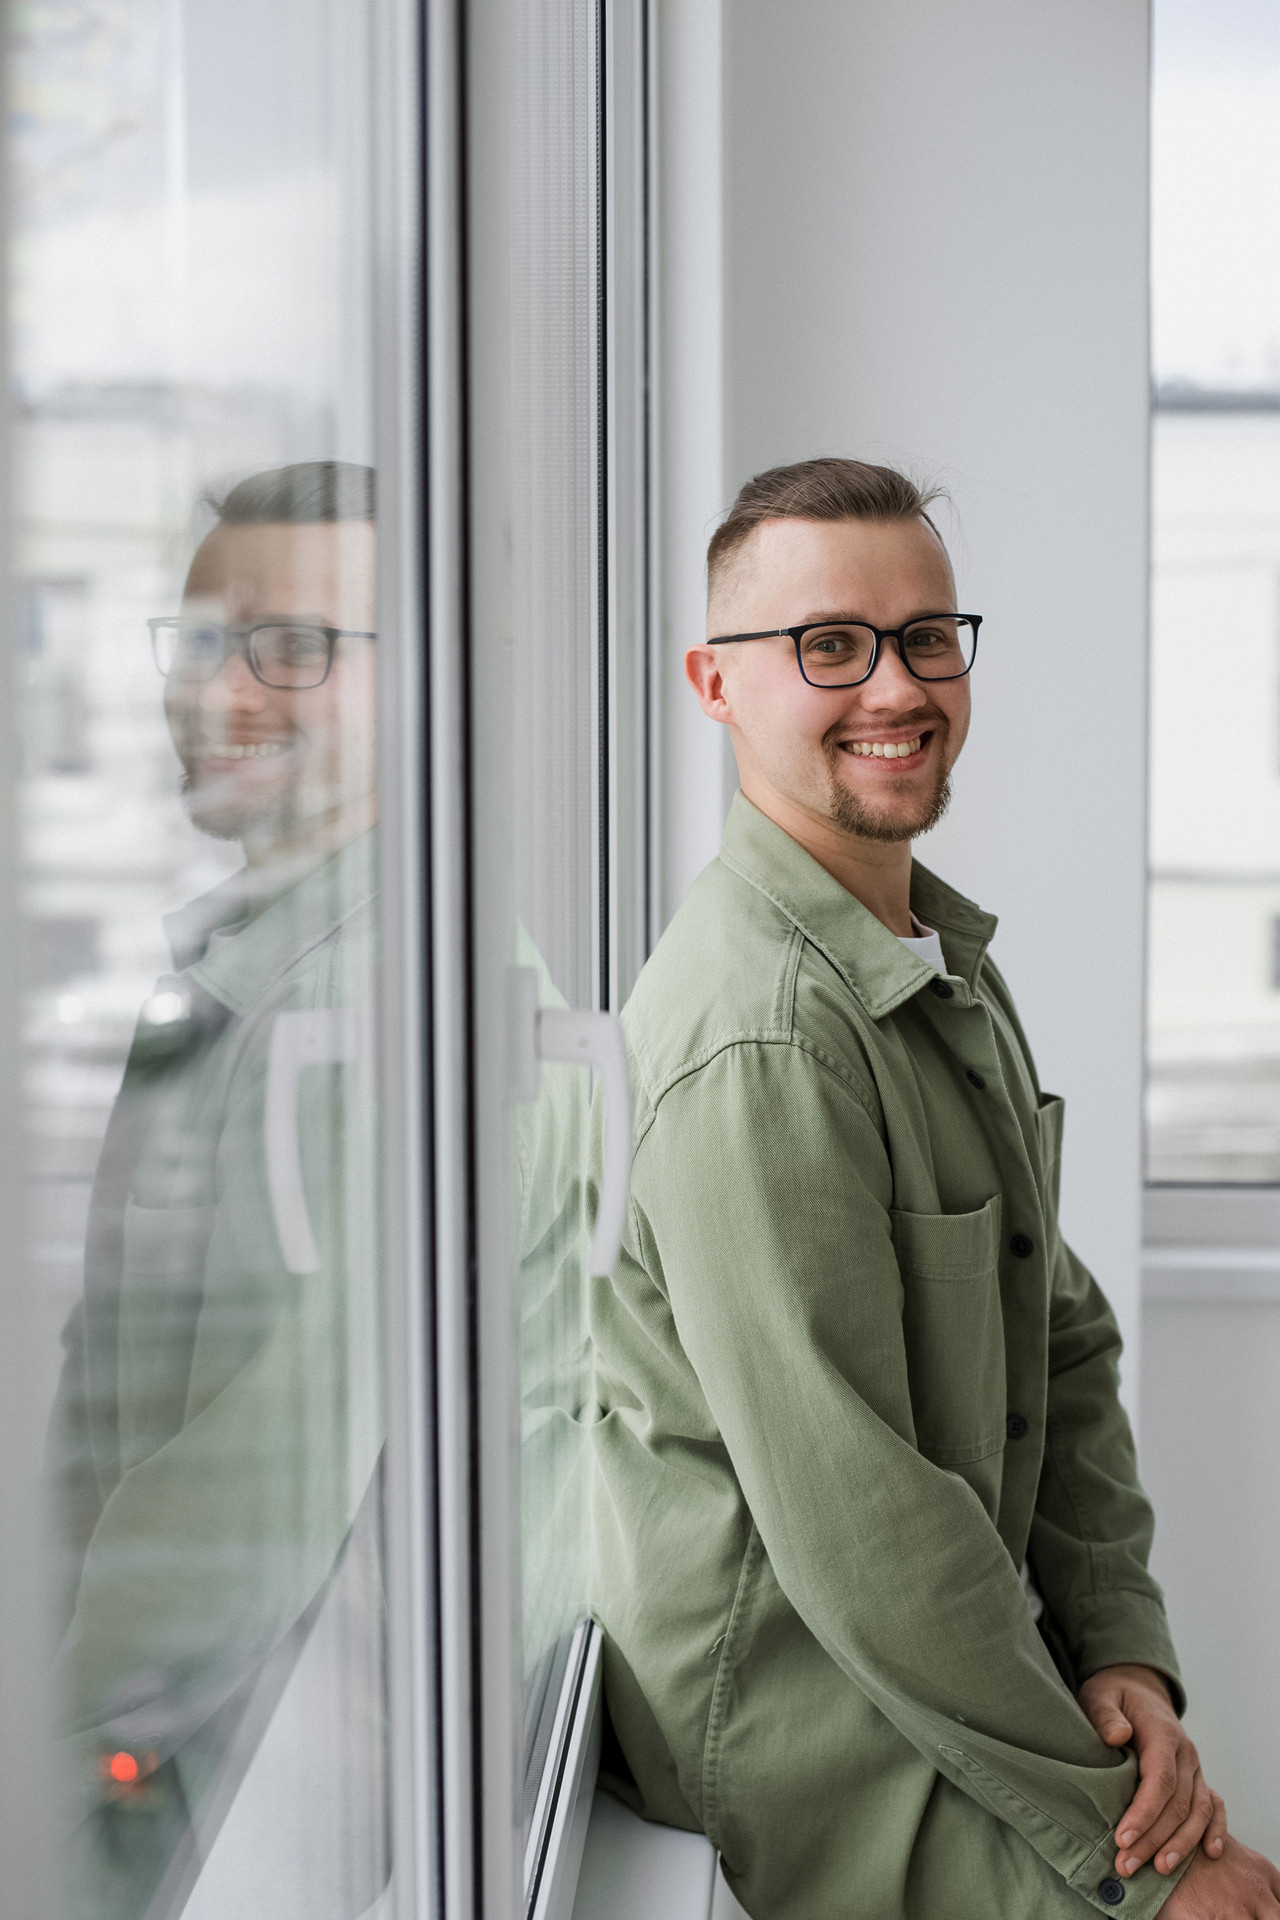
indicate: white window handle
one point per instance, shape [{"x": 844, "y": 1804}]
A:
[
  {"x": 588, "y": 1040},
  {"x": 336, "y": 1036},
  {"x": 312, "y": 1037}
]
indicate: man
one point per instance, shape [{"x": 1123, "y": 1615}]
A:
[
  {"x": 219, "y": 1424},
  {"x": 853, "y": 1384}
]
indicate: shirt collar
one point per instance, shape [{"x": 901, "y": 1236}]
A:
[
  {"x": 294, "y": 918},
  {"x": 877, "y": 968}
]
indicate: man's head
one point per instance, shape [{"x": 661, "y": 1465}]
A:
[
  {"x": 830, "y": 540},
  {"x": 283, "y": 766}
]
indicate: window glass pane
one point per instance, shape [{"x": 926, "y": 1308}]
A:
[
  {"x": 557, "y": 782},
  {"x": 191, "y": 363},
  {"x": 1214, "y": 990}
]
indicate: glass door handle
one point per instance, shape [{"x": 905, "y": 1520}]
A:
[
  {"x": 310, "y": 1037},
  {"x": 579, "y": 1039}
]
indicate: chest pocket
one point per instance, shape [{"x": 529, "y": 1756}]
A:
[{"x": 954, "y": 1330}]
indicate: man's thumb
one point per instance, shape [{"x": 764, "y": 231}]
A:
[{"x": 1110, "y": 1725}]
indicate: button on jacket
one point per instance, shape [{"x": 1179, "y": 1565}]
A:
[{"x": 849, "y": 1377}]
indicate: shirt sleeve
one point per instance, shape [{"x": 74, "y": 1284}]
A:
[
  {"x": 216, "y": 1538},
  {"x": 1092, "y": 1530},
  {"x": 762, "y": 1195}
]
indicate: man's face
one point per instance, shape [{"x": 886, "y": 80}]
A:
[
  {"x": 271, "y": 767},
  {"x": 810, "y": 744}
]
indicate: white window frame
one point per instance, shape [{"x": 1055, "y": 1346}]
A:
[{"x": 1213, "y": 1244}]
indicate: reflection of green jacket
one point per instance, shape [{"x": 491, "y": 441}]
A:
[
  {"x": 219, "y": 1418},
  {"x": 552, "y": 1139},
  {"x": 850, "y": 1377}
]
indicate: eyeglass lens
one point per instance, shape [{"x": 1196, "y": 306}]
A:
[
  {"x": 288, "y": 657},
  {"x": 939, "y": 649}
]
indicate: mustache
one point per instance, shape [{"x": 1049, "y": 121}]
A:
[{"x": 922, "y": 720}]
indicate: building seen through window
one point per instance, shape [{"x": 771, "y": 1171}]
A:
[{"x": 1214, "y": 983}]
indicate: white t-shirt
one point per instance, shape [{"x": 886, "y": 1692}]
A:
[{"x": 926, "y": 944}]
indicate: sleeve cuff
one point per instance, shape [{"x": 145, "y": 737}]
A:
[
  {"x": 1140, "y": 1898},
  {"x": 1124, "y": 1628}
]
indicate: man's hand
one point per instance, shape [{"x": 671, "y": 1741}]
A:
[
  {"x": 1239, "y": 1886},
  {"x": 1173, "y": 1810}
]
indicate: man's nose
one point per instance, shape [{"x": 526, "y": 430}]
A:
[
  {"x": 234, "y": 688},
  {"x": 889, "y": 684}
]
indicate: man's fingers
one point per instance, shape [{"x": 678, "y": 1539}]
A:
[
  {"x": 1109, "y": 1721},
  {"x": 1175, "y": 1812},
  {"x": 1159, "y": 1771},
  {"x": 1107, "y": 1716},
  {"x": 1215, "y": 1838},
  {"x": 1185, "y": 1838}
]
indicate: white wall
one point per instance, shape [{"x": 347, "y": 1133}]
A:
[
  {"x": 693, "y": 757},
  {"x": 935, "y": 253}
]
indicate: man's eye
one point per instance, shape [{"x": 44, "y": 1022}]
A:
[
  {"x": 930, "y": 639},
  {"x": 294, "y": 643},
  {"x": 200, "y": 640}
]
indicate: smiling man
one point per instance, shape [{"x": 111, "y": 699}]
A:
[
  {"x": 270, "y": 677},
  {"x": 871, "y": 1548},
  {"x": 218, "y": 1426}
]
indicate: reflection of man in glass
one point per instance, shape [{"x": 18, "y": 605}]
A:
[
  {"x": 218, "y": 1424},
  {"x": 268, "y": 692}
]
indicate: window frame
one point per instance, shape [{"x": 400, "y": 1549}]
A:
[{"x": 478, "y": 1437}]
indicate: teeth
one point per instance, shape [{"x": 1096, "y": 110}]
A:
[
  {"x": 256, "y": 750},
  {"x": 886, "y": 749}
]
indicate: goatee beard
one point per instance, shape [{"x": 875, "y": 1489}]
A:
[
  {"x": 213, "y": 809},
  {"x": 854, "y": 816}
]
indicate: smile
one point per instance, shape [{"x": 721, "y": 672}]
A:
[
  {"x": 884, "y": 749},
  {"x": 256, "y": 750}
]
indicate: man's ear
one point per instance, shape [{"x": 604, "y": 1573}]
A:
[{"x": 702, "y": 669}]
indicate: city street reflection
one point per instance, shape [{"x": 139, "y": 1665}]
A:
[{"x": 217, "y": 1433}]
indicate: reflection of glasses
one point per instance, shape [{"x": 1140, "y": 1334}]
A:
[
  {"x": 280, "y": 654},
  {"x": 843, "y": 653}
]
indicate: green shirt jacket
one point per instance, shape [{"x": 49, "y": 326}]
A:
[
  {"x": 215, "y": 1442},
  {"x": 849, "y": 1377}
]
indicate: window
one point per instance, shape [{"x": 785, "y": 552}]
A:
[
  {"x": 193, "y": 434},
  {"x": 559, "y": 671},
  {"x": 1213, "y": 1011},
  {"x": 329, "y": 543}
]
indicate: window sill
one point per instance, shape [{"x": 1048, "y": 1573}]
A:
[
  {"x": 635, "y": 1870},
  {"x": 1211, "y": 1244}
]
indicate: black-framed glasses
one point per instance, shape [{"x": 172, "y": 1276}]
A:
[
  {"x": 291, "y": 656},
  {"x": 843, "y": 653}
]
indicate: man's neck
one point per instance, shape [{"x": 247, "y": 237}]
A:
[{"x": 876, "y": 872}]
